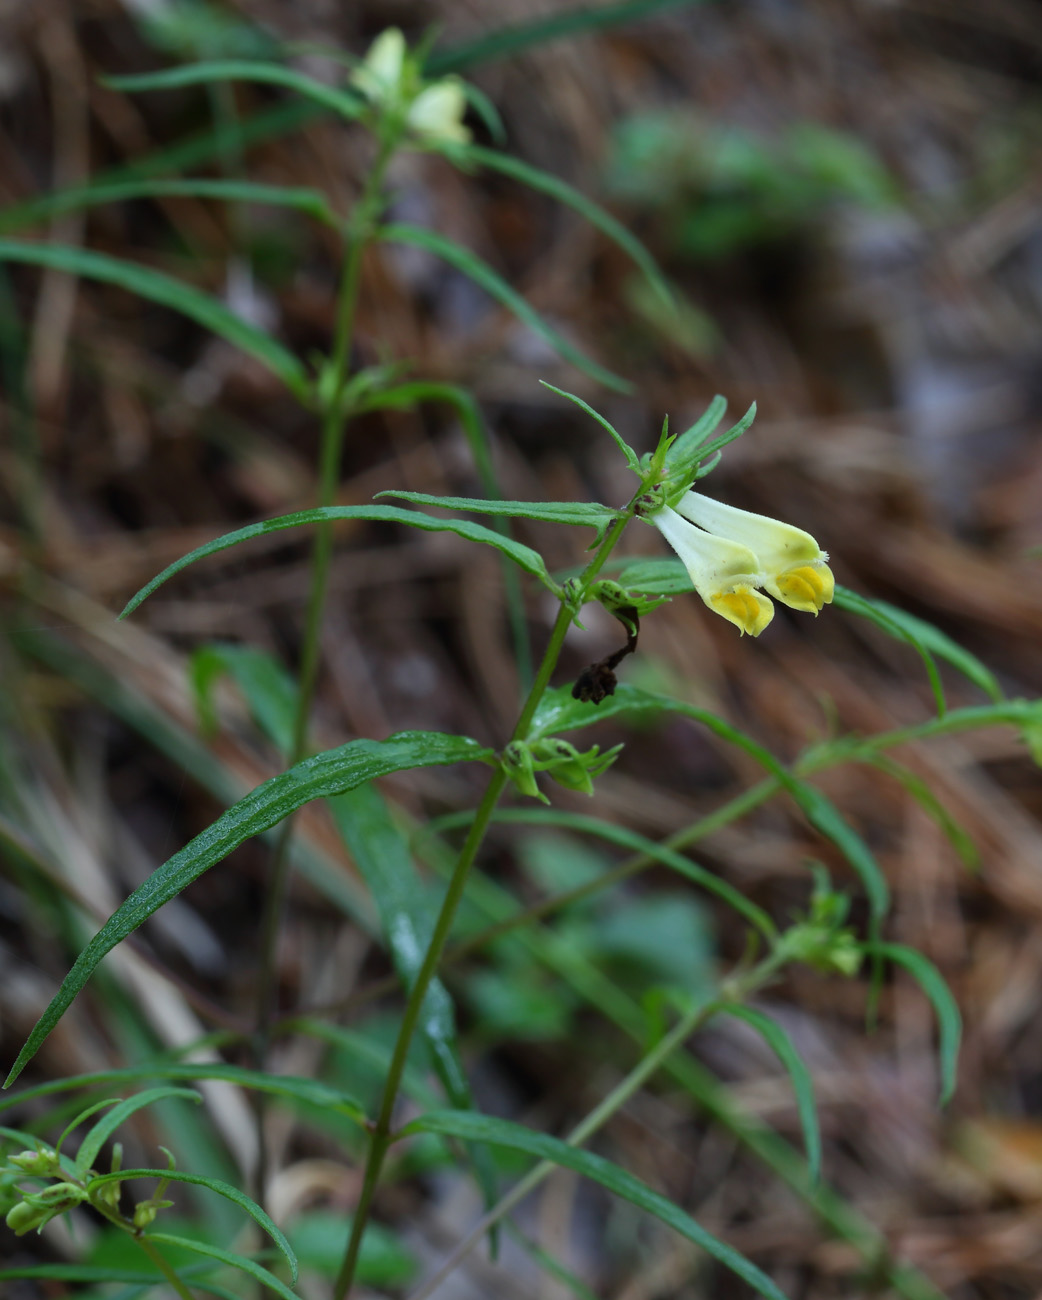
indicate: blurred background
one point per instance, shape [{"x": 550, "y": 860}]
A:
[{"x": 847, "y": 199}]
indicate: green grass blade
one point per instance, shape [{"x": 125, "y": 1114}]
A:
[
  {"x": 529, "y": 560},
  {"x": 470, "y": 265},
  {"x": 312, "y": 202},
  {"x": 321, "y": 776},
  {"x": 802, "y": 1085},
  {"x": 286, "y": 1086},
  {"x": 854, "y": 603},
  {"x": 241, "y": 1262},
  {"x": 168, "y": 292},
  {"x": 514, "y": 39},
  {"x": 560, "y": 712},
  {"x": 227, "y": 1190},
  {"x": 632, "y": 459},
  {"x": 536, "y": 179},
  {"x": 949, "y": 1021},
  {"x": 107, "y": 1125},
  {"x": 343, "y": 102},
  {"x": 579, "y": 513},
  {"x": 96, "y": 1274},
  {"x": 499, "y": 1132}
]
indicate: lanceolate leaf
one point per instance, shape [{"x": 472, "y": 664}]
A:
[
  {"x": 496, "y": 287},
  {"x": 408, "y": 914},
  {"x": 241, "y": 1262},
  {"x": 782, "y": 1046},
  {"x": 855, "y": 603},
  {"x": 226, "y": 1190},
  {"x": 632, "y": 459},
  {"x": 499, "y": 1132},
  {"x": 313, "y": 202},
  {"x": 683, "y": 450},
  {"x": 287, "y": 1086},
  {"x": 326, "y": 774},
  {"x": 107, "y": 1125},
  {"x": 932, "y": 984},
  {"x": 560, "y": 712},
  {"x": 580, "y": 513},
  {"x": 207, "y": 311},
  {"x": 345, "y": 103},
  {"x": 536, "y": 179},
  {"x": 926, "y": 638},
  {"x": 527, "y": 559}
]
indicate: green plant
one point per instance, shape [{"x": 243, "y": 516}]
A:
[{"x": 737, "y": 562}]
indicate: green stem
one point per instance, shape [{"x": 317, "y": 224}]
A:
[
  {"x": 741, "y": 987},
  {"x": 335, "y": 416},
  {"x": 164, "y": 1268},
  {"x": 381, "y": 1137}
]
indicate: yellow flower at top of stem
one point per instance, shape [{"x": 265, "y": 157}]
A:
[{"x": 391, "y": 81}]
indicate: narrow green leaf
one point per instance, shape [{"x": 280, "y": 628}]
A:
[
  {"x": 227, "y": 1190},
  {"x": 735, "y": 431},
  {"x": 321, "y": 776},
  {"x": 343, "y": 102},
  {"x": 687, "y": 444},
  {"x": 527, "y": 559},
  {"x": 270, "y": 691},
  {"x": 537, "y": 179},
  {"x": 469, "y": 264},
  {"x": 577, "y": 21},
  {"x": 958, "y": 836},
  {"x": 581, "y": 513},
  {"x": 627, "y": 839},
  {"x": 854, "y": 603},
  {"x": 408, "y": 914},
  {"x": 664, "y": 577},
  {"x": 940, "y": 644},
  {"x": 802, "y": 1085},
  {"x": 107, "y": 1125},
  {"x": 632, "y": 459},
  {"x": 560, "y": 712},
  {"x": 312, "y": 202},
  {"x": 165, "y": 290},
  {"x": 241, "y": 1262},
  {"x": 192, "y": 151},
  {"x": 499, "y": 1132},
  {"x": 932, "y": 983},
  {"x": 287, "y": 1086},
  {"x": 97, "y": 1274},
  {"x": 382, "y": 855}
]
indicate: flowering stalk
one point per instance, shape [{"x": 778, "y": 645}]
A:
[{"x": 381, "y": 1134}]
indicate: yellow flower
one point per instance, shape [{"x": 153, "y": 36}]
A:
[
  {"x": 379, "y": 76},
  {"x": 791, "y": 565},
  {"x": 725, "y": 573},
  {"x": 437, "y": 112},
  {"x": 390, "y": 80}
]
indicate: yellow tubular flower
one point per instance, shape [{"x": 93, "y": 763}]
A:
[
  {"x": 791, "y": 565},
  {"x": 380, "y": 74},
  {"x": 437, "y": 112},
  {"x": 723, "y": 572}
]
